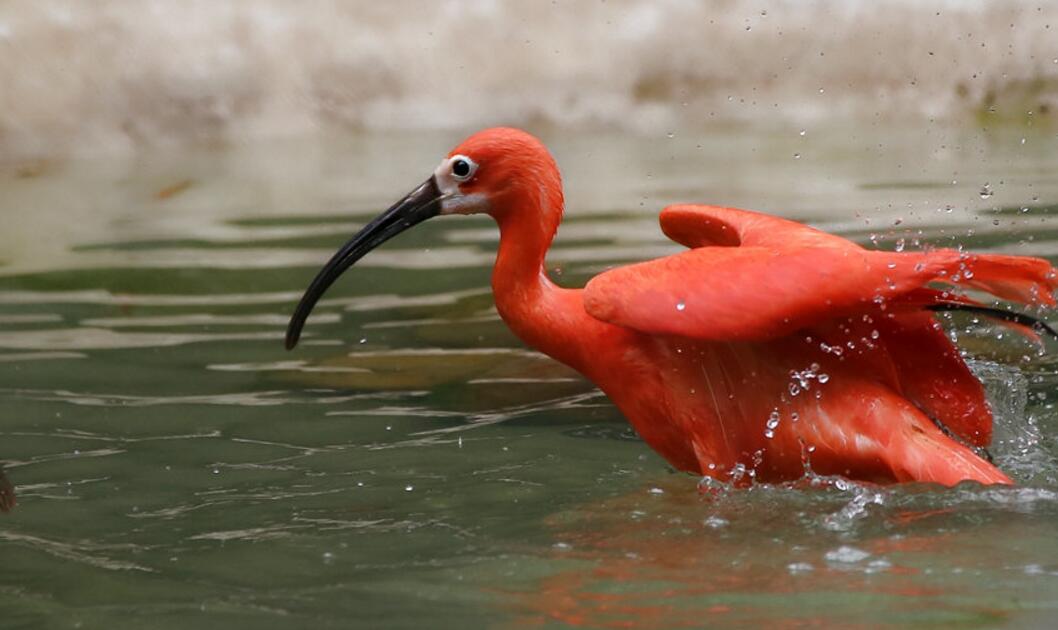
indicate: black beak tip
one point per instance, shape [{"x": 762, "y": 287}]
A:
[{"x": 292, "y": 338}]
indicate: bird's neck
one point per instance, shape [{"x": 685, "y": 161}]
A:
[
  {"x": 519, "y": 273},
  {"x": 542, "y": 314}
]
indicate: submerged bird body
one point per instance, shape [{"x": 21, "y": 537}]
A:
[{"x": 767, "y": 349}]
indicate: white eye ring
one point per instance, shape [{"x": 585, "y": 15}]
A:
[{"x": 462, "y": 168}]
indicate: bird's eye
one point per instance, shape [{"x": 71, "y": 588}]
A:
[{"x": 463, "y": 168}]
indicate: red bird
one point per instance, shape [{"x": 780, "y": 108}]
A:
[{"x": 766, "y": 349}]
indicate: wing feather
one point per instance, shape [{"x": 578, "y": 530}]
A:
[{"x": 752, "y": 276}]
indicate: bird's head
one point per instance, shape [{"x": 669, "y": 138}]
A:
[
  {"x": 496, "y": 170},
  {"x": 504, "y": 172}
]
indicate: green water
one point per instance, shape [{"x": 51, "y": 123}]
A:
[{"x": 411, "y": 464}]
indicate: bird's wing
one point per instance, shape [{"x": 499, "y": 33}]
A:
[
  {"x": 695, "y": 226},
  {"x": 752, "y": 276}
]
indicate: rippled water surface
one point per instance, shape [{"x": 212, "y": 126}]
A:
[{"x": 411, "y": 464}]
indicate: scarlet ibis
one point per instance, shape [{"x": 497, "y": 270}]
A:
[{"x": 767, "y": 349}]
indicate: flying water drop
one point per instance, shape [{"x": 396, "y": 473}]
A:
[{"x": 771, "y": 424}]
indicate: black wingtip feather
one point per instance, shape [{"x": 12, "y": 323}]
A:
[{"x": 997, "y": 313}]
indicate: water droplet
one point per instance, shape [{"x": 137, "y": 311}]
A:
[
  {"x": 846, "y": 555},
  {"x": 771, "y": 424},
  {"x": 409, "y": 488},
  {"x": 680, "y": 306},
  {"x": 796, "y": 568},
  {"x": 875, "y": 334},
  {"x": 823, "y": 378},
  {"x": 656, "y": 490},
  {"x": 670, "y": 135},
  {"x": 797, "y": 156},
  {"x": 900, "y": 245},
  {"x": 715, "y": 522},
  {"x": 879, "y": 565},
  {"x": 802, "y": 132},
  {"x": 986, "y": 191}
]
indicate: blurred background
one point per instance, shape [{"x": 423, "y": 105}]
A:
[
  {"x": 114, "y": 74},
  {"x": 173, "y": 173}
]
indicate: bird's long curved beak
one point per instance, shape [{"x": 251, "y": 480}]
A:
[{"x": 420, "y": 204}]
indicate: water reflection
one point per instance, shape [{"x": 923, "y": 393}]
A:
[
  {"x": 89, "y": 338},
  {"x": 818, "y": 552}
]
